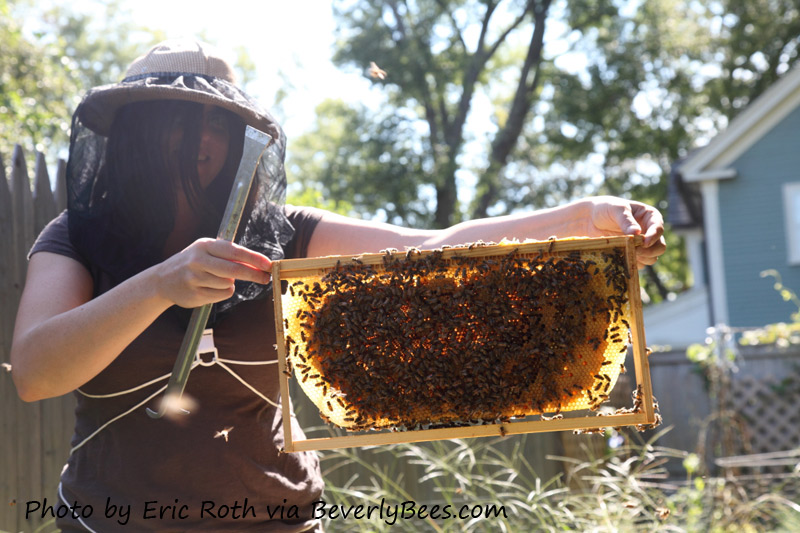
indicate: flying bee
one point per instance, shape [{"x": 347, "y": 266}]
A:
[
  {"x": 224, "y": 433},
  {"x": 376, "y": 72}
]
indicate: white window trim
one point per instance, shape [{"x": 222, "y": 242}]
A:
[
  {"x": 712, "y": 222},
  {"x": 791, "y": 221}
]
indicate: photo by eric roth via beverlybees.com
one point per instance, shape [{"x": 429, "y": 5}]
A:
[
  {"x": 176, "y": 513},
  {"x": 115, "y": 281}
]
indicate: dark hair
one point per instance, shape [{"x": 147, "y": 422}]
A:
[
  {"x": 133, "y": 202},
  {"x": 140, "y": 178}
]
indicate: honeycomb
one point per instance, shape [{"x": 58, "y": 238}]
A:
[{"x": 448, "y": 338}]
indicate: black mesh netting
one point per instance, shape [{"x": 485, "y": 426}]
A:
[{"x": 93, "y": 220}]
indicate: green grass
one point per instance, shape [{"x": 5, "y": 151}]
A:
[{"x": 625, "y": 490}]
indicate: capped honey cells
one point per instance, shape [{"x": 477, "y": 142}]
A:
[{"x": 458, "y": 336}]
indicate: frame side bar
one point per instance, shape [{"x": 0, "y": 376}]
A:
[
  {"x": 639, "y": 345},
  {"x": 283, "y": 378}
]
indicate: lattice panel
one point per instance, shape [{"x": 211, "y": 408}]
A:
[{"x": 771, "y": 410}]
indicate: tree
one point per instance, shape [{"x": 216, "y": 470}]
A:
[
  {"x": 658, "y": 81},
  {"x": 585, "y": 97},
  {"x": 364, "y": 142},
  {"x": 46, "y": 66},
  {"x": 437, "y": 55},
  {"x": 29, "y": 73},
  {"x": 48, "y": 63}
]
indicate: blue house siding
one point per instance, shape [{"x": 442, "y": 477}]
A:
[{"x": 753, "y": 231}]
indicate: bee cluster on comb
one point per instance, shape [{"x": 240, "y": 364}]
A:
[{"x": 462, "y": 336}]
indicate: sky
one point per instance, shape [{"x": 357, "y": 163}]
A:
[
  {"x": 289, "y": 41},
  {"x": 292, "y": 37}
]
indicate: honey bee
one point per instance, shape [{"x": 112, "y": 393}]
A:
[
  {"x": 376, "y": 72},
  {"x": 224, "y": 433}
]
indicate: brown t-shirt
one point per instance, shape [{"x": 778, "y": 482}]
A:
[{"x": 186, "y": 473}]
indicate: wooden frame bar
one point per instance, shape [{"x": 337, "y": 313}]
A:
[{"x": 296, "y": 268}]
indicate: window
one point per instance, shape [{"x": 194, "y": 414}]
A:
[{"x": 791, "y": 216}]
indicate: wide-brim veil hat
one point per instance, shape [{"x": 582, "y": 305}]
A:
[
  {"x": 174, "y": 70},
  {"x": 190, "y": 71}
]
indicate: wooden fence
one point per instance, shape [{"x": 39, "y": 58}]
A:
[{"x": 34, "y": 437}]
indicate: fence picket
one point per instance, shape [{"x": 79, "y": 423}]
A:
[
  {"x": 23, "y": 215},
  {"x": 8, "y": 396},
  {"x": 7, "y": 256},
  {"x": 61, "y": 186},
  {"x": 44, "y": 205}
]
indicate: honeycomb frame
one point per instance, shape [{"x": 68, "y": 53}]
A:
[{"x": 442, "y": 273}]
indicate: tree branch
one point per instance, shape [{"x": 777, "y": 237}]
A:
[
  {"x": 523, "y": 98},
  {"x": 507, "y": 136},
  {"x": 397, "y": 17},
  {"x": 652, "y": 275},
  {"x": 501, "y": 39},
  {"x": 476, "y": 65},
  {"x": 443, "y": 6}
]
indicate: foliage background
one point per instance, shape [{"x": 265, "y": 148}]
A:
[{"x": 494, "y": 107}]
